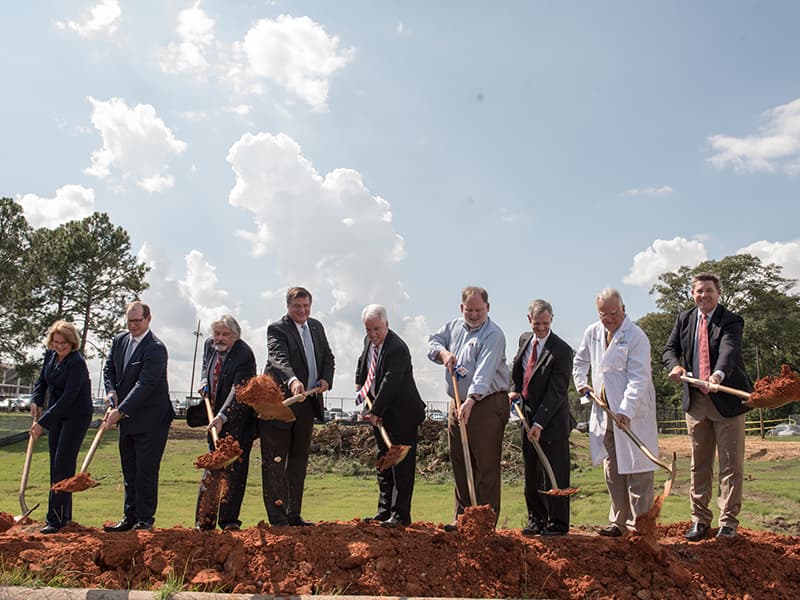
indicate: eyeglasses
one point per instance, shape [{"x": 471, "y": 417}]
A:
[
  {"x": 63, "y": 343},
  {"x": 136, "y": 321}
]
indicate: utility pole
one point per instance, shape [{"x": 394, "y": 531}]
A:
[{"x": 196, "y": 333}]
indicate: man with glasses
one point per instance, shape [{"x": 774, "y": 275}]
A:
[{"x": 135, "y": 377}]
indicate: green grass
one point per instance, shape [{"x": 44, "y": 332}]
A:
[{"x": 772, "y": 490}]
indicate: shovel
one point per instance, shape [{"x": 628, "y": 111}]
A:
[
  {"x": 26, "y": 469},
  {"x": 554, "y": 490},
  {"x": 715, "y": 387},
  {"x": 636, "y": 440},
  {"x": 83, "y": 480},
  {"x": 263, "y": 395},
  {"x": 462, "y": 427},
  {"x": 225, "y": 452},
  {"x": 396, "y": 452}
]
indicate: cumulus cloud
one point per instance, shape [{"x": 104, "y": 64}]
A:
[
  {"x": 101, "y": 19},
  {"x": 71, "y": 202},
  {"x": 195, "y": 37},
  {"x": 649, "y": 191},
  {"x": 296, "y": 53},
  {"x": 136, "y": 144},
  {"x": 785, "y": 254},
  {"x": 661, "y": 257},
  {"x": 775, "y": 147}
]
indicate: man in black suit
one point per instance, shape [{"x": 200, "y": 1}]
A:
[
  {"x": 540, "y": 374},
  {"x": 227, "y": 361},
  {"x": 299, "y": 356},
  {"x": 135, "y": 376},
  {"x": 384, "y": 374},
  {"x": 708, "y": 338}
]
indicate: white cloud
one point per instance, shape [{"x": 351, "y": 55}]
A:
[
  {"x": 400, "y": 28},
  {"x": 136, "y": 143},
  {"x": 775, "y": 147},
  {"x": 785, "y": 254},
  {"x": 71, "y": 202},
  {"x": 294, "y": 52},
  {"x": 649, "y": 191},
  {"x": 196, "y": 36},
  {"x": 241, "y": 110},
  {"x": 102, "y": 19},
  {"x": 661, "y": 257}
]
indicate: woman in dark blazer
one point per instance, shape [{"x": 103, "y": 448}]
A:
[{"x": 64, "y": 384}]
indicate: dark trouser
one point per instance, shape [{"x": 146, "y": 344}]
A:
[
  {"x": 396, "y": 484},
  {"x": 223, "y": 490},
  {"x": 546, "y": 510},
  {"x": 140, "y": 454},
  {"x": 487, "y": 421},
  {"x": 64, "y": 441},
  {"x": 284, "y": 461}
]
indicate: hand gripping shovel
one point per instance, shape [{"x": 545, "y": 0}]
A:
[
  {"x": 83, "y": 480},
  {"x": 635, "y": 438},
  {"x": 396, "y": 452},
  {"x": 26, "y": 469},
  {"x": 462, "y": 427},
  {"x": 225, "y": 452},
  {"x": 554, "y": 490}
]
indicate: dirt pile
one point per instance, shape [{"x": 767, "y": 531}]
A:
[
  {"x": 420, "y": 560},
  {"x": 774, "y": 392}
]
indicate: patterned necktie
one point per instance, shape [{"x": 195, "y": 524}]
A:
[
  {"x": 609, "y": 337},
  {"x": 526, "y": 378},
  {"x": 703, "y": 355},
  {"x": 311, "y": 361},
  {"x": 129, "y": 351},
  {"x": 215, "y": 377},
  {"x": 373, "y": 363}
]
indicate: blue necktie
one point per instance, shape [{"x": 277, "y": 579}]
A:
[
  {"x": 308, "y": 348},
  {"x": 129, "y": 351}
]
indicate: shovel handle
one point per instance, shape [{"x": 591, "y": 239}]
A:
[
  {"x": 95, "y": 443},
  {"x": 381, "y": 428},
  {"x": 462, "y": 428},
  {"x": 210, "y": 413},
  {"x": 302, "y": 396},
  {"x": 715, "y": 387},
  {"x": 26, "y": 469},
  {"x": 538, "y": 447}
]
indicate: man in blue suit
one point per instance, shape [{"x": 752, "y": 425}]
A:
[{"x": 135, "y": 376}]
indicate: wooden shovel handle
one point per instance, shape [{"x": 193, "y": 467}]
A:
[
  {"x": 302, "y": 396},
  {"x": 462, "y": 428},
  {"x": 538, "y": 447},
  {"x": 96, "y": 442},
  {"x": 381, "y": 428},
  {"x": 210, "y": 413},
  {"x": 26, "y": 469},
  {"x": 715, "y": 387}
]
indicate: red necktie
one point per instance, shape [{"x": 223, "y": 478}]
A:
[
  {"x": 526, "y": 378},
  {"x": 373, "y": 362},
  {"x": 703, "y": 355},
  {"x": 215, "y": 377}
]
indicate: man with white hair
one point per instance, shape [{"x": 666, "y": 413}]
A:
[
  {"x": 618, "y": 353},
  {"x": 384, "y": 375}
]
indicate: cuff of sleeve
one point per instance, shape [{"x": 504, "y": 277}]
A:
[{"x": 720, "y": 374}]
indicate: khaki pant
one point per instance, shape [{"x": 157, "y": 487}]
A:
[
  {"x": 708, "y": 431},
  {"x": 485, "y": 428},
  {"x": 631, "y": 494}
]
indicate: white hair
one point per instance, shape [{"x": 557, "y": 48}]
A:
[
  {"x": 371, "y": 311},
  {"x": 607, "y": 293},
  {"x": 228, "y": 322}
]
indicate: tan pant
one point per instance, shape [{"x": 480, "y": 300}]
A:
[
  {"x": 631, "y": 494},
  {"x": 708, "y": 431},
  {"x": 485, "y": 428}
]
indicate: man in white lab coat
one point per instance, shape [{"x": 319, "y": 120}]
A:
[{"x": 618, "y": 352}]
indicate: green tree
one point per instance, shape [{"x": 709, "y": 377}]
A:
[{"x": 756, "y": 291}]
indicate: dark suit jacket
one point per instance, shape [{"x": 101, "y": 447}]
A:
[
  {"x": 142, "y": 386},
  {"x": 725, "y": 347},
  {"x": 69, "y": 387},
  {"x": 547, "y": 403},
  {"x": 239, "y": 366},
  {"x": 286, "y": 357},
  {"x": 397, "y": 400}
]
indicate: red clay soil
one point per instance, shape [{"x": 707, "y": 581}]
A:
[
  {"x": 355, "y": 558},
  {"x": 227, "y": 451},
  {"x": 76, "y": 483},
  {"x": 774, "y": 392}
]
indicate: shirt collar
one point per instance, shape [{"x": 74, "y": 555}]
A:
[{"x": 139, "y": 339}]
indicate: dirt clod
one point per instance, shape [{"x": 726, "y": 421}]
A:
[{"x": 76, "y": 483}]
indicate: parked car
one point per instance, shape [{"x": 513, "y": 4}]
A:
[
  {"x": 434, "y": 414},
  {"x": 784, "y": 429},
  {"x": 99, "y": 405},
  {"x": 337, "y": 414},
  {"x": 21, "y": 403}
]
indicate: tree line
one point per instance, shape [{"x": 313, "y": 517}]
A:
[{"x": 82, "y": 271}]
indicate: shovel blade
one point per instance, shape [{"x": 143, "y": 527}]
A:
[
  {"x": 393, "y": 457},
  {"x": 276, "y": 411},
  {"x": 25, "y": 514},
  {"x": 671, "y": 480}
]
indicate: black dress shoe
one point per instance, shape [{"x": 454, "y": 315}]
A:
[
  {"x": 47, "y": 529},
  {"x": 231, "y": 527},
  {"x": 122, "y": 525},
  {"x": 143, "y": 526},
  {"x": 450, "y": 527},
  {"x": 697, "y": 532},
  {"x": 554, "y": 530},
  {"x": 726, "y": 532},
  {"x": 610, "y": 531},
  {"x": 532, "y": 528},
  {"x": 395, "y": 521},
  {"x": 381, "y": 516},
  {"x": 299, "y": 522}
]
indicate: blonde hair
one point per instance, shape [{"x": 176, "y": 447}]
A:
[{"x": 67, "y": 330}]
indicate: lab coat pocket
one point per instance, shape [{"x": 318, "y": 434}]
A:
[{"x": 617, "y": 358}]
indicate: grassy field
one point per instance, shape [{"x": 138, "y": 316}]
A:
[{"x": 772, "y": 489}]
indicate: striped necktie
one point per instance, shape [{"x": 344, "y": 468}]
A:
[{"x": 373, "y": 363}]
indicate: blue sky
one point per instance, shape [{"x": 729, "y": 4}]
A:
[{"x": 395, "y": 152}]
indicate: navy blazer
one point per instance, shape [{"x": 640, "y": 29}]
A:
[
  {"x": 547, "y": 403},
  {"x": 724, "y": 345},
  {"x": 286, "y": 357},
  {"x": 141, "y": 387},
  {"x": 397, "y": 400},
  {"x": 68, "y": 386}
]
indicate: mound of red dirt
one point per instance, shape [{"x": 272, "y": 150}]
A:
[{"x": 421, "y": 560}]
